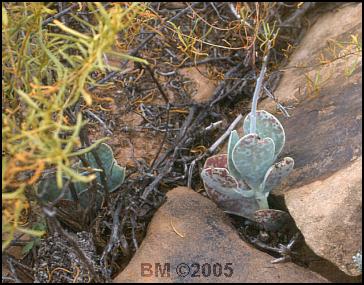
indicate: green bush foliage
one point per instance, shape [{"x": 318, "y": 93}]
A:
[{"x": 46, "y": 69}]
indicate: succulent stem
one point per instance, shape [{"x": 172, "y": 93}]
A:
[{"x": 261, "y": 200}]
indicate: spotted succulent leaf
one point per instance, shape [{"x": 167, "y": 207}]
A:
[
  {"x": 268, "y": 126},
  {"x": 216, "y": 161},
  {"x": 233, "y": 139},
  {"x": 241, "y": 181},
  {"x": 220, "y": 180},
  {"x": 238, "y": 205},
  {"x": 224, "y": 191},
  {"x": 221, "y": 161},
  {"x": 276, "y": 173},
  {"x": 271, "y": 219},
  {"x": 252, "y": 157}
]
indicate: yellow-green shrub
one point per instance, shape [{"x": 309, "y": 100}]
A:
[{"x": 46, "y": 69}]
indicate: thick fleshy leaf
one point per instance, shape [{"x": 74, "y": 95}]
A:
[
  {"x": 114, "y": 173},
  {"x": 233, "y": 139},
  {"x": 268, "y": 126},
  {"x": 276, "y": 173},
  {"x": 81, "y": 187},
  {"x": 240, "y": 206},
  {"x": 220, "y": 161},
  {"x": 115, "y": 177},
  {"x": 220, "y": 180},
  {"x": 105, "y": 154},
  {"x": 252, "y": 157},
  {"x": 225, "y": 194},
  {"x": 216, "y": 161},
  {"x": 271, "y": 219},
  {"x": 262, "y": 200},
  {"x": 50, "y": 190}
]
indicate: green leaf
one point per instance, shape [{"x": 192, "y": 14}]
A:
[
  {"x": 50, "y": 190},
  {"x": 222, "y": 189},
  {"x": 268, "y": 126},
  {"x": 233, "y": 139},
  {"x": 5, "y": 19},
  {"x": 105, "y": 154},
  {"x": 276, "y": 173},
  {"x": 115, "y": 177},
  {"x": 252, "y": 157},
  {"x": 31, "y": 232}
]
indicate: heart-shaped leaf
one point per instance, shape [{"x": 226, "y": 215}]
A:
[
  {"x": 114, "y": 173},
  {"x": 115, "y": 177},
  {"x": 276, "y": 173},
  {"x": 271, "y": 219},
  {"x": 252, "y": 157},
  {"x": 105, "y": 154},
  {"x": 268, "y": 126},
  {"x": 233, "y": 139}
]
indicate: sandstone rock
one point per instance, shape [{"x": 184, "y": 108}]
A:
[
  {"x": 324, "y": 136},
  {"x": 189, "y": 228},
  {"x": 315, "y": 55},
  {"x": 324, "y": 132},
  {"x": 329, "y": 214}
]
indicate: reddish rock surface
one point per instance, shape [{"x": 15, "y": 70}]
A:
[{"x": 189, "y": 228}]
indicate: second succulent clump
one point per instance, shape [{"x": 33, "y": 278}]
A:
[{"x": 114, "y": 175}]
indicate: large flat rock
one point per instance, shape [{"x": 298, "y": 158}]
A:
[
  {"x": 189, "y": 229},
  {"x": 332, "y": 229},
  {"x": 323, "y": 82}
]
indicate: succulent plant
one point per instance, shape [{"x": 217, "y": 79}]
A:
[
  {"x": 114, "y": 174},
  {"x": 240, "y": 181}
]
